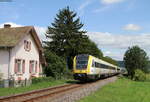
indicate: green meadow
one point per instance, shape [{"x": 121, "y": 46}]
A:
[
  {"x": 40, "y": 85},
  {"x": 123, "y": 90}
]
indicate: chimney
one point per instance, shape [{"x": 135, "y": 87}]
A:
[{"x": 7, "y": 25}]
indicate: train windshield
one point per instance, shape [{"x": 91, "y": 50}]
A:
[{"x": 81, "y": 61}]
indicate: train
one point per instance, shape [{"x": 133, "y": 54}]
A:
[{"x": 87, "y": 67}]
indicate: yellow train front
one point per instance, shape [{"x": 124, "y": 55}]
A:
[{"x": 87, "y": 67}]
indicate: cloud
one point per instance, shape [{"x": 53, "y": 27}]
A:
[
  {"x": 132, "y": 27},
  {"x": 84, "y": 5},
  {"x": 40, "y": 30},
  {"x": 11, "y": 23},
  {"x": 101, "y": 9},
  {"x": 108, "y": 2},
  {"x": 115, "y": 45},
  {"x": 115, "y": 55}
]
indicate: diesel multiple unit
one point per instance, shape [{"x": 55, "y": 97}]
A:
[{"x": 87, "y": 67}]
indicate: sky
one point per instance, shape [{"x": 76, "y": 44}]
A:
[{"x": 114, "y": 25}]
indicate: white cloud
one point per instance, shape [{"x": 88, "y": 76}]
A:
[
  {"x": 40, "y": 30},
  {"x": 115, "y": 55},
  {"x": 84, "y": 5},
  {"x": 114, "y": 45},
  {"x": 107, "y": 2},
  {"x": 11, "y": 23},
  {"x": 101, "y": 9},
  {"x": 132, "y": 27}
]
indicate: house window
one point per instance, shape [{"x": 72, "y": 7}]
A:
[
  {"x": 27, "y": 45},
  {"x": 19, "y": 66},
  {"x": 33, "y": 66}
]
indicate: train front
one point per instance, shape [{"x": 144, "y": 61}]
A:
[{"x": 80, "y": 67}]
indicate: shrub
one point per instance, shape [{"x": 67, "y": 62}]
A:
[
  {"x": 139, "y": 75},
  {"x": 1, "y": 75},
  {"x": 147, "y": 77},
  {"x": 56, "y": 66},
  {"x": 42, "y": 79},
  {"x": 68, "y": 74}
]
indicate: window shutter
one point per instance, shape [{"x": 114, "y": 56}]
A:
[
  {"x": 23, "y": 66},
  {"x": 30, "y": 67},
  {"x": 15, "y": 66},
  {"x": 25, "y": 44},
  {"x": 36, "y": 66}
]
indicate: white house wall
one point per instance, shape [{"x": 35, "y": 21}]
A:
[
  {"x": 4, "y": 62},
  {"x": 18, "y": 52}
]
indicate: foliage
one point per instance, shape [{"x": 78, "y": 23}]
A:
[
  {"x": 139, "y": 75},
  {"x": 135, "y": 58},
  {"x": 42, "y": 79},
  {"x": 65, "y": 33},
  {"x": 56, "y": 66},
  {"x": 66, "y": 39},
  {"x": 121, "y": 64},
  {"x": 148, "y": 67},
  {"x": 147, "y": 77},
  {"x": 89, "y": 47},
  {"x": 123, "y": 90},
  {"x": 110, "y": 60},
  {"x": 1, "y": 75}
]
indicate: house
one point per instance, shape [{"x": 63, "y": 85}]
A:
[{"x": 20, "y": 53}]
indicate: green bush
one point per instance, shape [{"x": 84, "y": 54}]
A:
[
  {"x": 1, "y": 75},
  {"x": 147, "y": 77},
  {"x": 56, "y": 66},
  {"x": 68, "y": 74},
  {"x": 41, "y": 79},
  {"x": 139, "y": 75}
]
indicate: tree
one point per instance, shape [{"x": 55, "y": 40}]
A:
[
  {"x": 110, "y": 60},
  {"x": 65, "y": 32},
  {"x": 135, "y": 58},
  {"x": 56, "y": 66},
  {"x": 66, "y": 38}
]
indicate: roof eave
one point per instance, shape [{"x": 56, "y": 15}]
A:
[{"x": 6, "y": 47}]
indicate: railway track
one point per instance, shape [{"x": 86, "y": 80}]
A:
[
  {"x": 53, "y": 93},
  {"x": 39, "y": 94}
]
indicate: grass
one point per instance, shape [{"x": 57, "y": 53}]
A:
[
  {"x": 123, "y": 90},
  {"x": 12, "y": 91}
]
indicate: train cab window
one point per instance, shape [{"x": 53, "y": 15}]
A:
[{"x": 81, "y": 62}]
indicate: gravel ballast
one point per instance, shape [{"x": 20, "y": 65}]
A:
[{"x": 76, "y": 94}]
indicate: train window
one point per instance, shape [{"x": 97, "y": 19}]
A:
[
  {"x": 96, "y": 64},
  {"x": 103, "y": 66},
  {"x": 93, "y": 63},
  {"x": 81, "y": 62}
]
